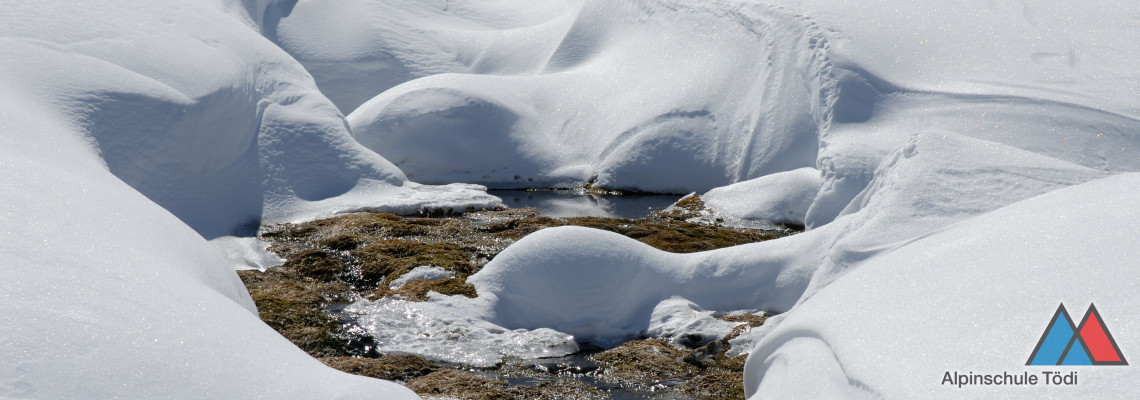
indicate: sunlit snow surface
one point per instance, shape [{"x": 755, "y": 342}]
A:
[
  {"x": 876, "y": 125},
  {"x": 966, "y": 154}
]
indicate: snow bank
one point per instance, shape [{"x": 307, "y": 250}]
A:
[
  {"x": 974, "y": 297},
  {"x": 381, "y": 44},
  {"x": 577, "y": 280},
  {"x": 222, "y": 136},
  {"x": 874, "y": 125},
  {"x": 131, "y": 131},
  {"x": 603, "y": 288},
  {"x": 105, "y": 294},
  {"x": 457, "y": 329},
  {"x": 669, "y": 97},
  {"x": 134, "y": 129},
  {"x": 781, "y": 198}
]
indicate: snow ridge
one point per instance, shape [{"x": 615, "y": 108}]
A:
[{"x": 658, "y": 122}]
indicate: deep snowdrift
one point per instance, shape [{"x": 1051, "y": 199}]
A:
[
  {"x": 133, "y": 129},
  {"x": 780, "y": 198},
  {"x": 130, "y": 130},
  {"x": 104, "y": 294},
  {"x": 975, "y": 297},
  {"x": 917, "y": 117},
  {"x": 674, "y": 97}
]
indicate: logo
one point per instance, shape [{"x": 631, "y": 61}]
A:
[{"x": 1064, "y": 343}]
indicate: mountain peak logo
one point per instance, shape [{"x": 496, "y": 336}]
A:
[{"x": 1064, "y": 343}]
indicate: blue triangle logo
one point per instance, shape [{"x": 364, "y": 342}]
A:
[{"x": 1056, "y": 340}]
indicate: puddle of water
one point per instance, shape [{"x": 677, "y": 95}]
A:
[{"x": 577, "y": 203}]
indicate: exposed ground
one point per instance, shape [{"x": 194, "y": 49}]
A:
[{"x": 335, "y": 261}]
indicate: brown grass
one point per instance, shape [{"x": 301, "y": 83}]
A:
[
  {"x": 393, "y": 367},
  {"x": 461, "y": 385}
]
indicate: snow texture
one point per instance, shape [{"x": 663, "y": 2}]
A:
[
  {"x": 670, "y": 97},
  {"x": 967, "y": 165},
  {"x": 578, "y": 281},
  {"x": 684, "y": 324},
  {"x": 247, "y": 253},
  {"x": 974, "y": 297},
  {"x": 780, "y": 198},
  {"x": 107, "y": 295},
  {"x": 130, "y": 132}
]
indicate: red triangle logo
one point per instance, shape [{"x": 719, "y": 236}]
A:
[{"x": 1101, "y": 346}]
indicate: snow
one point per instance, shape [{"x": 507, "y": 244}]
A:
[
  {"x": 453, "y": 329},
  {"x": 669, "y": 97},
  {"x": 425, "y": 272},
  {"x": 684, "y": 324},
  {"x": 247, "y": 253},
  {"x": 547, "y": 279},
  {"x": 132, "y": 132},
  {"x": 961, "y": 168},
  {"x": 974, "y": 297},
  {"x": 780, "y": 198},
  {"x": 105, "y": 294},
  {"x": 878, "y": 126}
]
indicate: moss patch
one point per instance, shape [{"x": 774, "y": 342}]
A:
[
  {"x": 316, "y": 264},
  {"x": 715, "y": 386},
  {"x": 385, "y": 260},
  {"x": 643, "y": 361},
  {"x": 704, "y": 373},
  {"x": 687, "y": 208},
  {"x": 733, "y": 364},
  {"x": 293, "y": 305},
  {"x": 675, "y": 236},
  {"x": 417, "y": 290},
  {"x": 460, "y": 385},
  {"x": 393, "y": 367}
]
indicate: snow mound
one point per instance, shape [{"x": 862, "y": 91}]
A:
[
  {"x": 132, "y": 131},
  {"x": 105, "y": 294},
  {"x": 975, "y": 297},
  {"x": 603, "y": 288},
  {"x": 780, "y": 198},
  {"x": 628, "y": 95},
  {"x": 933, "y": 181},
  {"x": 215, "y": 125},
  {"x": 577, "y": 280},
  {"x": 381, "y": 44}
]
